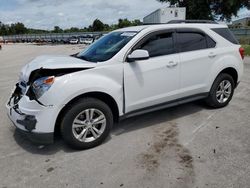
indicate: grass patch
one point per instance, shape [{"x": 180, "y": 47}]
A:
[{"x": 247, "y": 49}]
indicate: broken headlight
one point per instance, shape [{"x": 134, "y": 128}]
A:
[{"x": 41, "y": 85}]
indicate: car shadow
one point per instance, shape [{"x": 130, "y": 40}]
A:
[
  {"x": 157, "y": 117},
  {"x": 125, "y": 126}
]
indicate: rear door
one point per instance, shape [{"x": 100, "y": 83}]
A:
[
  {"x": 155, "y": 80},
  {"x": 197, "y": 55}
]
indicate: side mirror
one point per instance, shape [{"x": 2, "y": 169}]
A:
[{"x": 138, "y": 55}]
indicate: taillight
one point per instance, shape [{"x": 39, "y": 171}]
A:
[{"x": 242, "y": 51}]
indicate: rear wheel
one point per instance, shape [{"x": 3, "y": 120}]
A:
[
  {"x": 221, "y": 92},
  {"x": 86, "y": 123}
]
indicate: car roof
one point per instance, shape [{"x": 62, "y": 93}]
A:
[
  {"x": 169, "y": 26},
  {"x": 133, "y": 28}
]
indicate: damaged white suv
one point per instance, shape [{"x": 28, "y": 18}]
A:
[{"x": 125, "y": 73}]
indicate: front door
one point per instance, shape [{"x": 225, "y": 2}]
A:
[{"x": 156, "y": 80}]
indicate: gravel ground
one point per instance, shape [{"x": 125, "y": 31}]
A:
[{"x": 185, "y": 146}]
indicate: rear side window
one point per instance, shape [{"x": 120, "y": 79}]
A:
[
  {"x": 226, "y": 34},
  {"x": 159, "y": 44},
  {"x": 191, "y": 41}
]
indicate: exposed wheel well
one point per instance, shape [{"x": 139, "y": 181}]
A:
[
  {"x": 99, "y": 95},
  {"x": 232, "y": 72}
]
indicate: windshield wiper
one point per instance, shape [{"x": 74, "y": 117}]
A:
[
  {"x": 74, "y": 55},
  {"x": 79, "y": 57}
]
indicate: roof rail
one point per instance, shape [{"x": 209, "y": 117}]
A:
[{"x": 192, "y": 21}]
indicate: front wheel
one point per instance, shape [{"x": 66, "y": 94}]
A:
[
  {"x": 221, "y": 92},
  {"x": 86, "y": 123}
]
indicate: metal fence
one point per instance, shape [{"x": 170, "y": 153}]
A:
[
  {"x": 48, "y": 36},
  {"x": 241, "y": 34}
]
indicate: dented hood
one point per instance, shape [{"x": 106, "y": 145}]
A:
[{"x": 53, "y": 62}]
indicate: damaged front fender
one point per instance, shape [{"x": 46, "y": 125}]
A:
[{"x": 36, "y": 74}]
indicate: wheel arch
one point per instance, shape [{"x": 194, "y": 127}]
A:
[
  {"x": 232, "y": 72},
  {"x": 106, "y": 98}
]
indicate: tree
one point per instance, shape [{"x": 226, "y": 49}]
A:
[
  {"x": 210, "y": 9},
  {"x": 74, "y": 29},
  {"x": 136, "y": 22},
  {"x": 97, "y": 25},
  {"x": 3, "y": 29},
  {"x": 124, "y": 23},
  {"x": 57, "y": 29},
  {"x": 19, "y": 28},
  {"x": 106, "y": 27}
]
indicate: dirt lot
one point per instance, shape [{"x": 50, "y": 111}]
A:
[{"x": 186, "y": 146}]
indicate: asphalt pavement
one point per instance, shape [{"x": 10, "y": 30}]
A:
[{"x": 185, "y": 146}]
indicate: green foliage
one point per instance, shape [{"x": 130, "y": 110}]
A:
[
  {"x": 247, "y": 49},
  {"x": 210, "y": 9},
  {"x": 17, "y": 28},
  {"x": 98, "y": 25},
  {"x": 123, "y": 23},
  {"x": 71, "y": 30},
  {"x": 126, "y": 23},
  {"x": 57, "y": 29}
]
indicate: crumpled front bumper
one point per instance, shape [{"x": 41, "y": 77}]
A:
[
  {"x": 32, "y": 119},
  {"x": 25, "y": 124}
]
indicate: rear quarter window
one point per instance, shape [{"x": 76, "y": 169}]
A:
[{"x": 226, "y": 34}]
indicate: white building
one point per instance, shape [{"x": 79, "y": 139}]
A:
[{"x": 164, "y": 15}]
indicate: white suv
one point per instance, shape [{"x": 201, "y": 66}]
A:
[{"x": 128, "y": 72}]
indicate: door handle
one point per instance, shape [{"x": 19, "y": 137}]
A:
[
  {"x": 211, "y": 55},
  {"x": 172, "y": 64}
]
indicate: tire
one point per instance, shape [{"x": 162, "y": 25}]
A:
[
  {"x": 79, "y": 126},
  {"x": 214, "y": 98}
]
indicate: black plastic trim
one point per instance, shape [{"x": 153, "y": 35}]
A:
[
  {"x": 165, "y": 105},
  {"x": 192, "y": 21},
  {"x": 136, "y": 59},
  {"x": 236, "y": 85},
  {"x": 37, "y": 138},
  {"x": 29, "y": 122}
]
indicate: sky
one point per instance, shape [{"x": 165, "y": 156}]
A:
[{"x": 45, "y": 14}]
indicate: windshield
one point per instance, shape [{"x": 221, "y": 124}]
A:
[{"x": 106, "y": 47}]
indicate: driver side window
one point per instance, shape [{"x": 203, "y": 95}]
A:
[{"x": 159, "y": 44}]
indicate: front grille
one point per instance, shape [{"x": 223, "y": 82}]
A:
[
  {"x": 22, "y": 86},
  {"x": 16, "y": 96}
]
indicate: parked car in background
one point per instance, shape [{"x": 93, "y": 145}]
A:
[
  {"x": 127, "y": 72},
  {"x": 48, "y": 40},
  {"x": 96, "y": 37},
  {"x": 1, "y": 41},
  {"x": 86, "y": 39},
  {"x": 66, "y": 40},
  {"x": 74, "y": 40}
]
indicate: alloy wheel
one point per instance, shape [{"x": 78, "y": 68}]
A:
[
  {"x": 89, "y": 125},
  {"x": 224, "y": 91}
]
